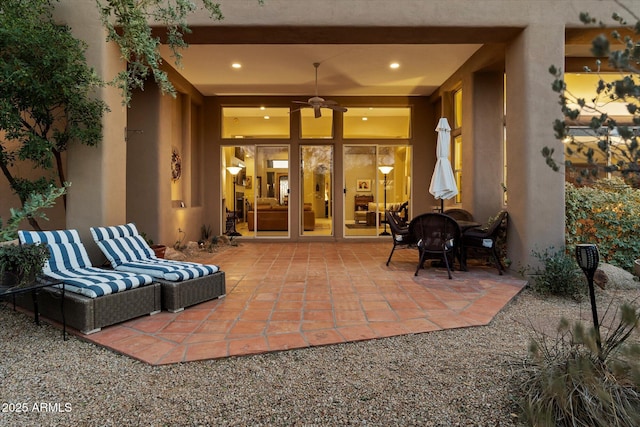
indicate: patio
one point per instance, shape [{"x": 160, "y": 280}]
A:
[{"x": 282, "y": 296}]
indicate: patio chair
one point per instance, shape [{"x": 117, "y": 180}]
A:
[
  {"x": 437, "y": 236},
  {"x": 399, "y": 232},
  {"x": 485, "y": 239},
  {"x": 183, "y": 283},
  {"x": 459, "y": 214},
  {"x": 94, "y": 297}
]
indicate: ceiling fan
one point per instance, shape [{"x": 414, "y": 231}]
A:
[{"x": 317, "y": 103}]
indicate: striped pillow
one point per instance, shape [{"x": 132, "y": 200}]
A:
[
  {"x": 121, "y": 243},
  {"x": 66, "y": 250}
]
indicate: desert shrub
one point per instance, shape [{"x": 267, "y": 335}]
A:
[
  {"x": 558, "y": 274},
  {"x": 606, "y": 215},
  {"x": 569, "y": 381}
]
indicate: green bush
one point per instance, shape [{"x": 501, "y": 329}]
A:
[
  {"x": 607, "y": 215},
  {"x": 558, "y": 274},
  {"x": 20, "y": 264},
  {"x": 568, "y": 381}
]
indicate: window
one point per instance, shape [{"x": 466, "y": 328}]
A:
[
  {"x": 456, "y": 133},
  {"x": 457, "y": 170},
  {"x": 457, "y": 109},
  {"x": 312, "y": 127},
  {"x": 504, "y": 140},
  {"x": 255, "y": 122},
  {"x": 377, "y": 123}
]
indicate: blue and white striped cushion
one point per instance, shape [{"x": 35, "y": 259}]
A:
[
  {"x": 174, "y": 271},
  {"x": 66, "y": 250},
  {"x": 97, "y": 285},
  {"x": 121, "y": 243},
  {"x": 69, "y": 261},
  {"x": 107, "y": 233},
  {"x": 126, "y": 250}
]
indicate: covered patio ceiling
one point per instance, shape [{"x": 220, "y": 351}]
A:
[{"x": 354, "y": 61}]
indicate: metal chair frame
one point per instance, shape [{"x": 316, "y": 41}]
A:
[
  {"x": 479, "y": 239},
  {"x": 399, "y": 233},
  {"x": 437, "y": 236}
]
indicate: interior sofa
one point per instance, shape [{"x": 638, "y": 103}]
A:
[
  {"x": 274, "y": 217},
  {"x": 94, "y": 297}
]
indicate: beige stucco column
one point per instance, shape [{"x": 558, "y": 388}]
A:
[
  {"x": 98, "y": 192},
  {"x": 482, "y": 145},
  {"x": 536, "y": 193}
]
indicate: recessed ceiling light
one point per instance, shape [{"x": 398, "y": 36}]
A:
[
  {"x": 267, "y": 117},
  {"x": 236, "y": 65},
  {"x": 364, "y": 119},
  {"x": 262, "y": 108},
  {"x": 394, "y": 65}
]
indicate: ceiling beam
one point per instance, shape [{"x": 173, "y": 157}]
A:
[{"x": 220, "y": 34}]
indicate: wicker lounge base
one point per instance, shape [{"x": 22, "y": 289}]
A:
[
  {"x": 89, "y": 315},
  {"x": 178, "y": 295}
]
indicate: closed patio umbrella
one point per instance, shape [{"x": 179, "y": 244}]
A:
[{"x": 443, "y": 183}]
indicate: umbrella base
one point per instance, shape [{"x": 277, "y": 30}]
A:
[{"x": 385, "y": 233}]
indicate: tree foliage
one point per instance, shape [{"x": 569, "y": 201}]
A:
[
  {"x": 127, "y": 24},
  {"x": 33, "y": 207},
  {"x": 621, "y": 48},
  {"x": 605, "y": 214},
  {"x": 46, "y": 94}
]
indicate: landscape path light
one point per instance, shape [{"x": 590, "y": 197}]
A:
[{"x": 588, "y": 258}]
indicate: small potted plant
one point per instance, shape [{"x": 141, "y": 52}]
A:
[
  {"x": 158, "y": 250},
  {"x": 20, "y": 264}
]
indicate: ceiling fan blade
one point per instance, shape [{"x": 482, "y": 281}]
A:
[
  {"x": 329, "y": 102},
  {"x": 316, "y": 112},
  {"x": 300, "y": 102}
]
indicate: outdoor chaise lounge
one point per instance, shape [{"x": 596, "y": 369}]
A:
[
  {"x": 94, "y": 297},
  {"x": 183, "y": 283}
]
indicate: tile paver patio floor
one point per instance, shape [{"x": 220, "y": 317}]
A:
[{"x": 282, "y": 296}]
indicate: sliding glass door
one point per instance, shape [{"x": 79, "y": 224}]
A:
[
  {"x": 316, "y": 190},
  {"x": 270, "y": 208},
  {"x": 376, "y": 178},
  {"x": 256, "y": 190}
]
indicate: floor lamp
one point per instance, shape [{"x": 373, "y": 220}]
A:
[
  {"x": 234, "y": 170},
  {"x": 385, "y": 170}
]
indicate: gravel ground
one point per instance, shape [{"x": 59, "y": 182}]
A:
[{"x": 448, "y": 378}]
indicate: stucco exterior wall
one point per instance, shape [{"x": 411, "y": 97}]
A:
[
  {"x": 482, "y": 145},
  {"x": 462, "y": 13},
  {"x": 536, "y": 195}
]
